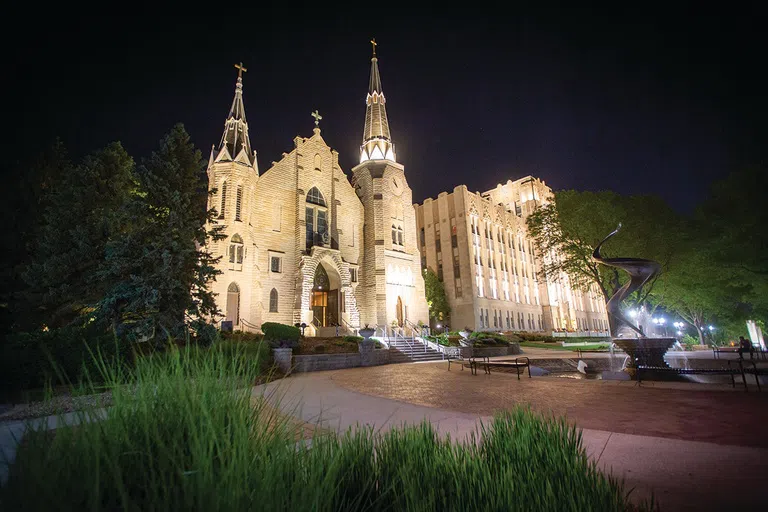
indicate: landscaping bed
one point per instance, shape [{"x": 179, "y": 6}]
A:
[{"x": 335, "y": 345}]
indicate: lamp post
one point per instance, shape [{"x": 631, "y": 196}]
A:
[{"x": 679, "y": 327}]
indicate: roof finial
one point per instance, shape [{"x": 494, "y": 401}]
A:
[
  {"x": 240, "y": 69},
  {"x": 373, "y": 42},
  {"x": 317, "y": 117}
]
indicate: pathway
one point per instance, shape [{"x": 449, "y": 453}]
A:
[{"x": 683, "y": 474}]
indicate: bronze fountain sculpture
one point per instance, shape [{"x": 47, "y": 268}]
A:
[{"x": 642, "y": 351}]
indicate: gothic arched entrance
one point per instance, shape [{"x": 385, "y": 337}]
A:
[
  {"x": 399, "y": 311},
  {"x": 233, "y": 304},
  {"x": 325, "y": 299}
]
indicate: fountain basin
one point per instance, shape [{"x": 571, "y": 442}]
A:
[{"x": 645, "y": 351}]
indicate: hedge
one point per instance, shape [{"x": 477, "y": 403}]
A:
[{"x": 281, "y": 335}]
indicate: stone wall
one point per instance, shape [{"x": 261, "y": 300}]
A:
[{"x": 323, "y": 362}]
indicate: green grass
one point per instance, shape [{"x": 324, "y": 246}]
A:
[
  {"x": 558, "y": 346},
  {"x": 184, "y": 434}
]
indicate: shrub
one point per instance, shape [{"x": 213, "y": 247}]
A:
[
  {"x": 281, "y": 335},
  {"x": 688, "y": 341},
  {"x": 534, "y": 336},
  {"x": 320, "y": 349},
  {"x": 489, "y": 338},
  {"x": 242, "y": 336},
  {"x": 353, "y": 339},
  {"x": 58, "y": 356}
]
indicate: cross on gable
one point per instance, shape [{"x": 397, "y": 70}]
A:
[
  {"x": 240, "y": 69},
  {"x": 373, "y": 42},
  {"x": 317, "y": 117}
]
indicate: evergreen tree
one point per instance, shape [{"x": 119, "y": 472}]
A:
[
  {"x": 79, "y": 218},
  {"x": 161, "y": 266}
]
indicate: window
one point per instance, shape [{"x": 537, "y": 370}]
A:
[
  {"x": 236, "y": 251},
  {"x": 438, "y": 245},
  {"x": 239, "y": 202},
  {"x": 397, "y": 236},
  {"x": 456, "y": 267},
  {"x": 454, "y": 241},
  {"x": 276, "y": 264},
  {"x": 459, "y": 291},
  {"x": 495, "y": 322},
  {"x": 440, "y": 272},
  {"x": 315, "y": 197},
  {"x": 223, "y": 200},
  {"x": 421, "y": 237},
  {"x": 353, "y": 275},
  {"x": 316, "y": 220},
  {"x": 487, "y": 323},
  {"x": 273, "y": 301},
  {"x": 423, "y": 262},
  {"x": 482, "y": 323}
]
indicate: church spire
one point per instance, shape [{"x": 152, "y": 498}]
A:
[
  {"x": 377, "y": 142},
  {"x": 235, "y": 145}
]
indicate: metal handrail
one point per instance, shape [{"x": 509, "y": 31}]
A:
[
  {"x": 354, "y": 330},
  {"x": 410, "y": 345},
  {"x": 249, "y": 324},
  {"x": 415, "y": 328}
]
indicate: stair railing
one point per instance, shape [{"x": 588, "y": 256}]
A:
[
  {"x": 249, "y": 325},
  {"x": 405, "y": 340},
  {"x": 416, "y": 329},
  {"x": 347, "y": 325}
]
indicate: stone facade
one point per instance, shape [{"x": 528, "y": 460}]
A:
[{"x": 478, "y": 246}]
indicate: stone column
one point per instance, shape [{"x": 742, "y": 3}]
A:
[{"x": 366, "y": 348}]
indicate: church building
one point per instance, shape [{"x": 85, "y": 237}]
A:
[{"x": 305, "y": 244}]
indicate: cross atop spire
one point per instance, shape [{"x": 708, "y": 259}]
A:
[
  {"x": 241, "y": 69},
  {"x": 377, "y": 143}
]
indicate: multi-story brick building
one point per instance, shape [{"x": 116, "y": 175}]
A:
[{"x": 479, "y": 248}]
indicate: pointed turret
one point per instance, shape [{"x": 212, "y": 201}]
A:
[
  {"x": 377, "y": 142},
  {"x": 235, "y": 144}
]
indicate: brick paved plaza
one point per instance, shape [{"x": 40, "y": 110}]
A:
[{"x": 693, "y": 412}]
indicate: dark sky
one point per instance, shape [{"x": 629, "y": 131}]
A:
[{"x": 636, "y": 99}]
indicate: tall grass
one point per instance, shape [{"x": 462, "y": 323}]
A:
[{"x": 184, "y": 433}]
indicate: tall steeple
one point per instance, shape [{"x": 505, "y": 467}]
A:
[
  {"x": 377, "y": 142},
  {"x": 235, "y": 145}
]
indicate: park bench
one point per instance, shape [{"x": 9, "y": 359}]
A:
[
  {"x": 754, "y": 353},
  {"x": 754, "y": 370},
  {"x": 519, "y": 363},
  {"x": 641, "y": 369}
]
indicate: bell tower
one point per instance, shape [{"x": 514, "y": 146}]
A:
[
  {"x": 391, "y": 274},
  {"x": 233, "y": 173}
]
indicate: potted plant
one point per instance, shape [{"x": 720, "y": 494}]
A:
[{"x": 366, "y": 332}]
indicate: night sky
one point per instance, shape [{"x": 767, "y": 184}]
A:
[{"x": 635, "y": 99}]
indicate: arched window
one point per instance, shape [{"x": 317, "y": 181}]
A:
[
  {"x": 238, "y": 202},
  {"x": 223, "y": 200},
  {"x": 315, "y": 197},
  {"x": 316, "y": 220},
  {"x": 236, "y": 250},
  {"x": 273, "y": 301}
]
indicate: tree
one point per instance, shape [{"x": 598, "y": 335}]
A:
[
  {"x": 160, "y": 265},
  {"x": 439, "y": 309},
  {"x": 79, "y": 219},
  {"x": 566, "y": 231},
  {"x": 734, "y": 221}
]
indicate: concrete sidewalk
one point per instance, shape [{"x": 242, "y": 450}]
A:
[{"x": 683, "y": 475}]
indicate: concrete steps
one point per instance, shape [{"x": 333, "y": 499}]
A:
[{"x": 402, "y": 353}]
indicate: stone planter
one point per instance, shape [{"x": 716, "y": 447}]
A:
[
  {"x": 454, "y": 340},
  {"x": 283, "y": 359},
  {"x": 366, "y": 332}
]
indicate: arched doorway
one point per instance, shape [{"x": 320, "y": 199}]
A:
[
  {"x": 233, "y": 304},
  {"x": 399, "y": 312},
  {"x": 325, "y": 299}
]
